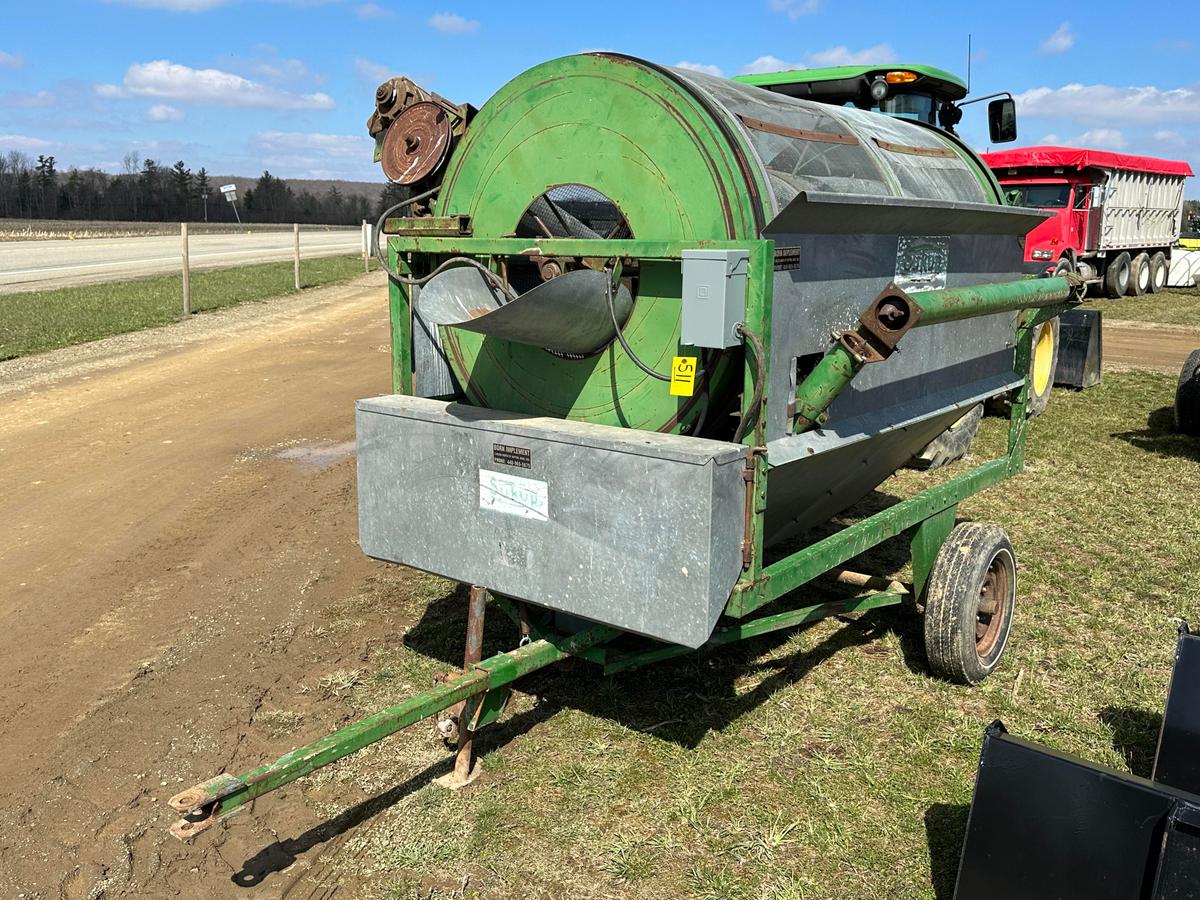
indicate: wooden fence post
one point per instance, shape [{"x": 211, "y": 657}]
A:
[{"x": 187, "y": 274}]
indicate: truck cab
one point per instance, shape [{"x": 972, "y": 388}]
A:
[{"x": 1069, "y": 197}]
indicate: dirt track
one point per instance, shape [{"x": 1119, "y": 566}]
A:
[
  {"x": 178, "y": 508},
  {"x": 179, "y": 517},
  {"x": 1143, "y": 345}
]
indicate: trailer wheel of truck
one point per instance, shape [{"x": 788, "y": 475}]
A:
[
  {"x": 969, "y": 601},
  {"x": 952, "y": 444},
  {"x": 1139, "y": 275},
  {"x": 1159, "y": 269},
  {"x": 1116, "y": 276},
  {"x": 1187, "y": 396}
]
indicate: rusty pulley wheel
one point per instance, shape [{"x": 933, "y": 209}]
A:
[{"x": 416, "y": 143}]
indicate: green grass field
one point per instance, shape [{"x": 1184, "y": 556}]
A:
[
  {"x": 44, "y": 320},
  {"x": 1177, "y": 306},
  {"x": 821, "y": 763}
]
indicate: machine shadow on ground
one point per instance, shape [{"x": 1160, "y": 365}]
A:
[
  {"x": 1134, "y": 735},
  {"x": 704, "y": 682},
  {"x": 1159, "y": 436},
  {"x": 945, "y": 831}
]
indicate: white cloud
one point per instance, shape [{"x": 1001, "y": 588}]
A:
[
  {"x": 24, "y": 143},
  {"x": 174, "y": 5},
  {"x": 161, "y": 112},
  {"x": 769, "y": 64},
  {"x": 699, "y": 67},
  {"x": 314, "y": 155},
  {"x": 1100, "y": 138},
  {"x": 1169, "y": 136},
  {"x": 27, "y": 99},
  {"x": 452, "y": 23},
  {"x": 880, "y": 54},
  {"x": 165, "y": 80},
  {"x": 373, "y": 11},
  {"x": 794, "y": 9},
  {"x": 376, "y": 73},
  {"x": 11, "y": 60},
  {"x": 1062, "y": 40},
  {"x": 298, "y": 143},
  {"x": 1101, "y": 104}
]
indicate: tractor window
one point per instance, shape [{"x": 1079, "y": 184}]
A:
[
  {"x": 921, "y": 107},
  {"x": 1040, "y": 196},
  {"x": 1082, "y": 192}
]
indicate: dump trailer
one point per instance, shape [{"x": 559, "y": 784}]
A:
[
  {"x": 653, "y": 333},
  {"x": 1116, "y": 216}
]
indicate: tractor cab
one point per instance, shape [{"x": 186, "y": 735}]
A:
[{"x": 919, "y": 93}]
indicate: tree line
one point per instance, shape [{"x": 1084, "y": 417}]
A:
[{"x": 148, "y": 191}]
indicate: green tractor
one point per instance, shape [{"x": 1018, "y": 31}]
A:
[{"x": 923, "y": 94}]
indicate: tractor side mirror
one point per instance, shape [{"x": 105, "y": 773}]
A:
[{"x": 1002, "y": 120}]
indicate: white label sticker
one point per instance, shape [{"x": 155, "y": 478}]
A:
[
  {"x": 514, "y": 495},
  {"x": 922, "y": 263}
]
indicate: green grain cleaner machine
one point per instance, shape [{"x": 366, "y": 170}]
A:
[{"x": 650, "y": 329}]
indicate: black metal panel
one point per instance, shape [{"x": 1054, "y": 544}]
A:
[
  {"x": 1047, "y": 825},
  {"x": 1178, "y": 875},
  {"x": 1080, "y": 349},
  {"x": 1177, "y": 762}
]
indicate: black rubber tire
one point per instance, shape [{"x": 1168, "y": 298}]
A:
[
  {"x": 1139, "y": 276},
  {"x": 1039, "y": 402},
  {"x": 957, "y": 588},
  {"x": 1116, "y": 276},
  {"x": 1159, "y": 269},
  {"x": 951, "y": 444},
  {"x": 1187, "y": 396}
]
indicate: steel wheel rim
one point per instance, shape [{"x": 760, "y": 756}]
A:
[
  {"x": 1043, "y": 353},
  {"x": 995, "y": 604},
  {"x": 1143, "y": 278}
]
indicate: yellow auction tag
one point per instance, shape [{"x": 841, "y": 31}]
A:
[{"x": 683, "y": 376}]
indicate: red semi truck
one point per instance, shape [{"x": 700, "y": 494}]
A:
[{"x": 1117, "y": 215}]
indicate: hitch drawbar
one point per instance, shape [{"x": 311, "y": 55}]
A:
[{"x": 209, "y": 802}]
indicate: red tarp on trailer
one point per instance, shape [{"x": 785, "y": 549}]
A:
[{"x": 1077, "y": 158}]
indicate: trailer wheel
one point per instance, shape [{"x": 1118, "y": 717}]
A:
[
  {"x": 1187, "y": 396},
  {"x": 1159, "y": 269},
  {"x": 969, "y": 601},
  {"x": 951, "y": 444},
  {"x": 1116, "y": 276},
  {"x": 1139, "y": 275}
]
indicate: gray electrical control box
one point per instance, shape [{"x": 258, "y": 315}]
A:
[{"x": 714, "y": 296}]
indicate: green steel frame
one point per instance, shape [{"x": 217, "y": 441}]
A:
[{"x": 925, "y": 518}]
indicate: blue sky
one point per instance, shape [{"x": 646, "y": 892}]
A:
[{"x": 242, "y": 85}]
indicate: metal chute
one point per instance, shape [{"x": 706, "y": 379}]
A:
[{"x": 568, "y": 314}]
